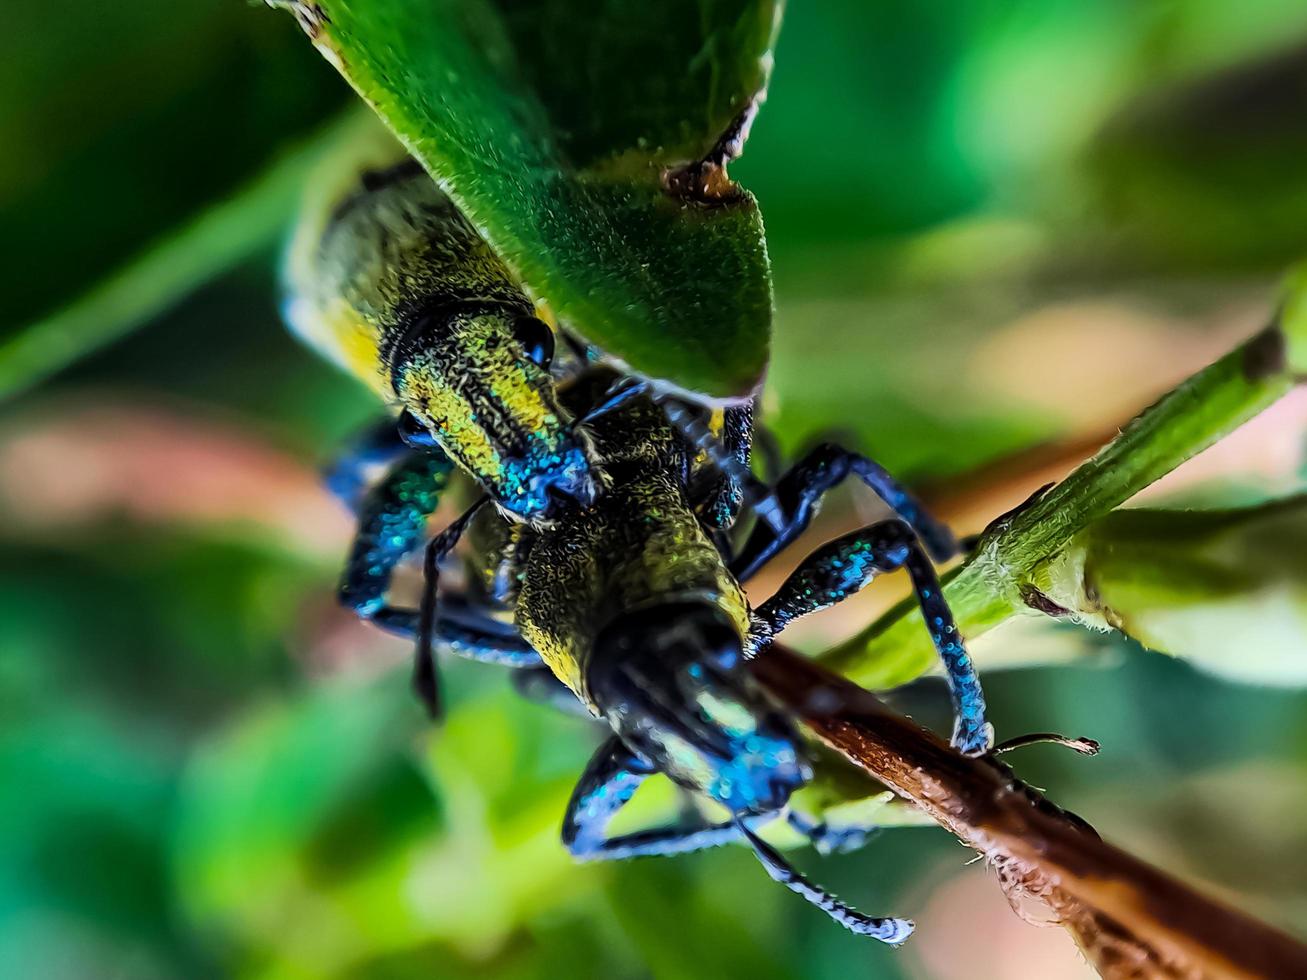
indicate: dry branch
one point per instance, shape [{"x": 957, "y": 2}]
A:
[{"x": 1130, "y": 919}]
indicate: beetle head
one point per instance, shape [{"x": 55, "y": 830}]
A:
[
  {"x": 672, "y": 683},
  {"x": 478, "y": 384}
]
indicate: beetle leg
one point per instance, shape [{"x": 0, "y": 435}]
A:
[
  {"x": 842, "y": 567},
  {"x": 621, "y": 392},
  {"x": 377, "y": 445},
  {"x": 608, "y": 783},
  {"x": 539, "y": 684},
  {"x": 730, "y": 456},
  {"x": 392, "y": 525},
  {"x": 799, "y": 492},
  {"x": 888, "y": 930},
  {"x": 463, "y": 634},
  {"x": 725, "y": 497},
  {"x": 827, "y": 839}
]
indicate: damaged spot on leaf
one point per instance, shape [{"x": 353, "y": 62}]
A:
[{"x": 705, "y": 181}]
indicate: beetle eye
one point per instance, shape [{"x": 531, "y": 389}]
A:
[
  {"x": 413, "y": 433},
  {"x": 536, "y": 338}
]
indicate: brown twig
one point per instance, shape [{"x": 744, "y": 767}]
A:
[{"x": 1130, "y": 919}]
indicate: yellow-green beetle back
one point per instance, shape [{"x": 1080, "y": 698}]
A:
[{"x": 388, "y": 279}]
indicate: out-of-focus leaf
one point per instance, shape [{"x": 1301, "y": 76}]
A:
[
  {"x": 1226, "y": 590},
  {"x": 267, "y": 809},
  {"x": 160, "y": 466},
  {"x": 83, "y": 877},
  {"x": 551, "y": 126},
  {"x": 271, "y": 780},
  {"x": 870, "y": 144},
  {"x": 653, "y": 906},
  {"x": 204, "y": 621},
  {"x": 1211, "y": 170},
  {"x": 211, "y": 244},
  {"x": 123, "y": 125},
  {"x": 321, "y": 810}
]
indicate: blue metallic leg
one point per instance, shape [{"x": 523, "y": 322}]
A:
[
  {"x": 827, "y": 839},
  {"x": 608, "y": 783},
  {"x": 611, "y": 779},
  {"x": 844, "y": 566},
  {"x": 725, "y": 498},
  {"x": 887, "y": 930},
  {"x": 621, "y": 392},
  {"x": 799, "y": 494},
  {"x": 733, "y": 462},
  {"x": 392, "y": 525},
  {"x": 489, "y": 642},
  {"x": 347, "y": 476},
  {"x": 729, "y": 456}
]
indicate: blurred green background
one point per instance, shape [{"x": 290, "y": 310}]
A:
[{"x": 994, "y": 226}]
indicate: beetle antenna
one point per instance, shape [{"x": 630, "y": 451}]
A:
[
  {"x": 1085, "y": 746},
  {"x": 426, "y": 680},
  {"x": 616, "y": 396},
  {"x": 888, "y": 930}
]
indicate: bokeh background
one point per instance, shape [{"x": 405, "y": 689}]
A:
[{"x": 998, "y": 229}]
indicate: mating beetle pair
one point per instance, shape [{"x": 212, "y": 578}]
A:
[{"x": 610, "y": 544}]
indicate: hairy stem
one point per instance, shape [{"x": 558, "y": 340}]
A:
[
  {"x": 996, "y": 581},
  {"x": 214, "y": 242}
]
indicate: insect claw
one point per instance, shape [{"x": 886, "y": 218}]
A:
[{"x": 973, "y": 740}]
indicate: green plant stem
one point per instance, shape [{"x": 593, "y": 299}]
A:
[
  {"x": 995, "y": 583},
  {"x": 164, "y": 274}
]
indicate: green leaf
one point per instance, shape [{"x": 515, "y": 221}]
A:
[
  {"x": 1202, "y": 585},
  {"x": 998, "y": 580},
  {"x": 343, "y": 805},
  {"x": 553, "y": 126},
  {"x": 662, "y": 79},
  {"x": 1208, "y": 172}
]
